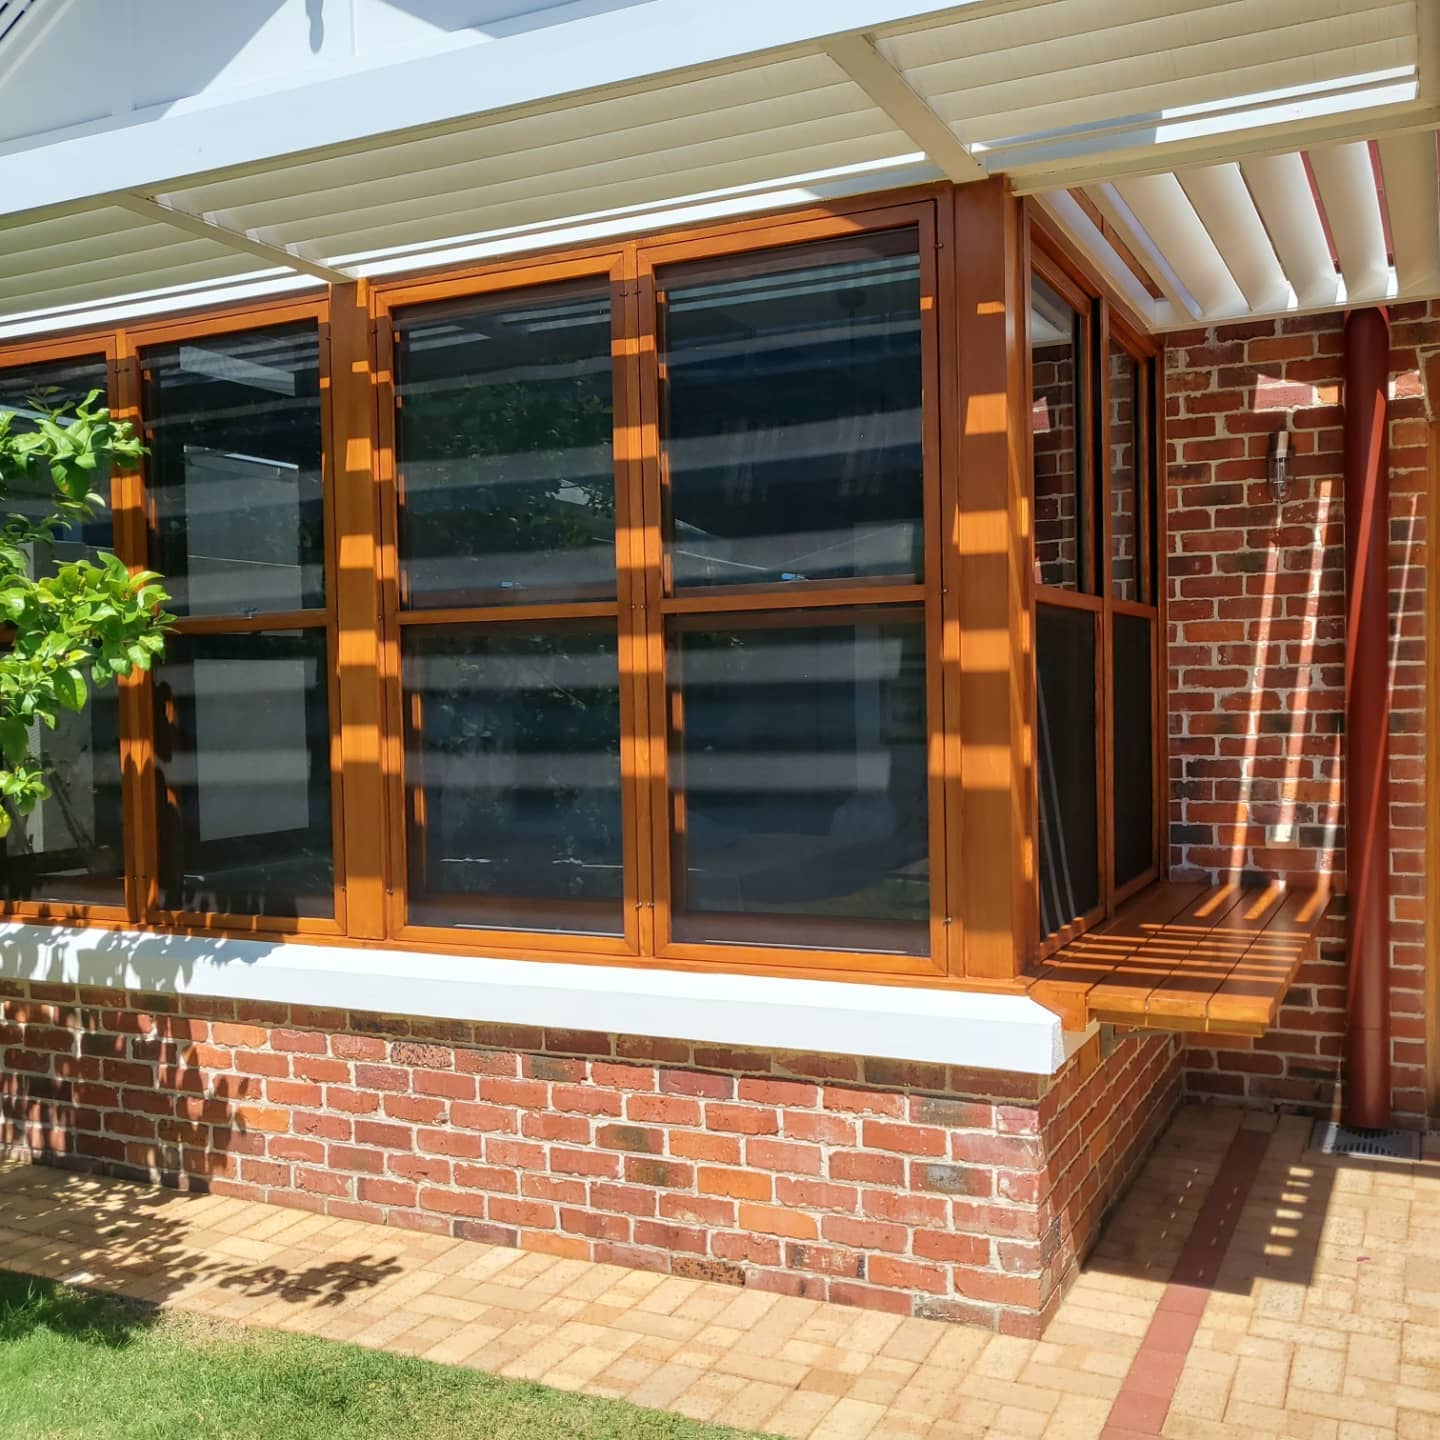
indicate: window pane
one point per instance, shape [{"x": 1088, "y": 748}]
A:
[
  {"x": 1134, "y": 763},
  {"x": 792, "y": 422},
  {"x": 798, "y": 768},
  {"x": 242, "y": 746},
  {"x": 60, "y": 383},
  {"x": 1056, "y": 337},
  {"x": 505, "y": 443},
  {"x": 513, "y": 777},
  {"x": 1069, "y": 809},
  {"x": 69, "y": 848},
  {"x": 1124, "y": 475},
  {"x": 234, "y": 477}
]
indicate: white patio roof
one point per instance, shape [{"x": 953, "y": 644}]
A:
[{"x": 1248, "y": 158}]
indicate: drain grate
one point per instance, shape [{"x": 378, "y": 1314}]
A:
[{"x": 1332, "y": 1139}]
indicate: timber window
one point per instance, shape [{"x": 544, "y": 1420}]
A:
[
  {"x": 1093, "y": 473},
  {"x": 647, "y": 601},
  {"x": 70, "y": 848}
]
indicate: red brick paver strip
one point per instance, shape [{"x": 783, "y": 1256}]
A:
[{"x": 1144, "y": 1399}]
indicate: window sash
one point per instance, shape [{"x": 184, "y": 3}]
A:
[{"x": 365, "y": 624}]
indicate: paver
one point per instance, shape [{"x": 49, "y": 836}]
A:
[{"x": 1323, "y": 1324}]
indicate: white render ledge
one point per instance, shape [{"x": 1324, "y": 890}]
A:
[{"x": 953, "y": 1027}]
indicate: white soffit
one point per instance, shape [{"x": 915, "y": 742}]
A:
[{"x": 1218, "y": 158}]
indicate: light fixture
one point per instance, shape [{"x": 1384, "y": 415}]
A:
[{"x": 1279, "y": 471}]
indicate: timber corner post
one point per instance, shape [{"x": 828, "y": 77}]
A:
[{"x": 992, "y": 545}]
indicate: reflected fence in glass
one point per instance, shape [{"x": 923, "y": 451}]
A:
[
  {"x": 799, "y": 778},
  {"x": 512, "y": 765},
  {"x": 242, "y": 769}
]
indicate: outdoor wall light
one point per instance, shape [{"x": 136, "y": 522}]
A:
[{"x": 1279, "y": 461}]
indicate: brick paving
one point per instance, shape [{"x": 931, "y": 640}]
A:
[{"x": 1318, "y": 1317}]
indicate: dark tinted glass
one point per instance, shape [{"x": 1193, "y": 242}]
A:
[
  {"x": 69, "y": 848},
  {"x": 1066, "y": 765},
  {"x": 242, "y": 747},
  {"x": 1124, "y": 475},
  {"x": 504, "y": 438},
  {"x": 1134, "y": 764},
  {"x": 1056, "y": 337},
  {"x": 233, "y": 423},
  {"x": 513, "y": 777},
  {"x": 792, "y": 416},
  {"x": 65, "y": 382},
  {"x": 799, "y": 779}
]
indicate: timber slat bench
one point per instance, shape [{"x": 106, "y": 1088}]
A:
[{"x": 1187, "y": 957}]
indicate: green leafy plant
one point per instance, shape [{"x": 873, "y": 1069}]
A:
[{"x": 66, "y": 626}]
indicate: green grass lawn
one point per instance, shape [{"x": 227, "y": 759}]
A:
[{"x": 79, "y": 1364}]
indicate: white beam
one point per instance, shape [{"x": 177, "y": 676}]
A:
[
  {"x": 1282, "y": 194},
  {"x": 615, "y": 51},
  {"x": 1161, "y": 206},
  {"x": 1346, "y": 181},
  {"x": 1225, "y": 208},
  {"x": 1212, "y": 148},
  {"x": 249, "y": 244},
  {"x": 859, "y": 58},
  {"x": 1412, "y": 196}
]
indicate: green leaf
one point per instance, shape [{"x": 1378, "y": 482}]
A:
[{"x": 14, "y": 740}]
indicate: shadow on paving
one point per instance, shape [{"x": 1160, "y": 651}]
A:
[
  {"x": 69, "y": 1228},
  {"x": 1302, "y": 1207}
]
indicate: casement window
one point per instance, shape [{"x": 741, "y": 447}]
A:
[
  {"x": 70, "y": 848},
  {"x": 1093, "y": 470},
  {"x": 636, "y": 603}
]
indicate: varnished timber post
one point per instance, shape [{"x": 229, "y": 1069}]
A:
[
  {"x": 990, "y": 587},
  {"x": 351, "y": 452}
]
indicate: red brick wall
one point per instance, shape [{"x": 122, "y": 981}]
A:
[
  {"x": 1257, "y": 668},
  {"x": 913, "y": 1188}
]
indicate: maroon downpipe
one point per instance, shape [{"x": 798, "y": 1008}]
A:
[{"x": 1367, "y": 704}]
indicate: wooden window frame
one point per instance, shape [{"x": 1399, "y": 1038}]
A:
[
  {"x": 977, "y": 245},
  {"x": 1109, "y": 321}
]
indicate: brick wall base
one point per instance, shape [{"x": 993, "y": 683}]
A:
[{"x": 918, "y": 1189}]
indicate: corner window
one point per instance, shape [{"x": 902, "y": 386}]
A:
[{"x": 1096, "y": 617}]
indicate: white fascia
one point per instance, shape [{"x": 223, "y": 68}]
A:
[
  {"x": 616, "y": 48},
  {"x": 982, "y": 1031}
]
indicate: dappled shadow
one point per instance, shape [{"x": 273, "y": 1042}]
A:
[
  {"x": 111, "y": 1234},
  {"x": 1308, "y": 1220}
]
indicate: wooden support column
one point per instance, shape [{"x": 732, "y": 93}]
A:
[
  {"x": 352, "y": 450},
  {"x": 986, "y": 584},
  {"x": 1367, "y": 712}
]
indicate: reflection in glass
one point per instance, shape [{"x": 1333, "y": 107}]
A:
[
  {"x": 62, "y": 382},
  {"x": 1065, "y": 753},
  {"x": 1134, "y": 765},
  {"x": 792, "y": 416},
  {"x": 233, "y": 423},
  {"x": 1055, "y": 421},
  {"x": 798, "y": 767},
  {"x": 504, "y": 439},
  {"x": 69, "y": 848},
  {"x": 513, "y": 777},
  {"x": 242, "y": 744},
  {"x": 1124, "y": 475}
]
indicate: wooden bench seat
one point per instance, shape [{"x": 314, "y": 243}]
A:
[{"x": 1186, "y": 957}]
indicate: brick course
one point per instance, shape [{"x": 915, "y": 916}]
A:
[
  {"x": 1257, "y": 669},
  {"x": 920, "y": 1189}
]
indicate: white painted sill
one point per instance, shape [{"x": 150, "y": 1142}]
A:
[{"x": 988, "y": 1032}]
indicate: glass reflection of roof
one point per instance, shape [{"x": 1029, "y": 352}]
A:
[{"x": 814, "y": 280}]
